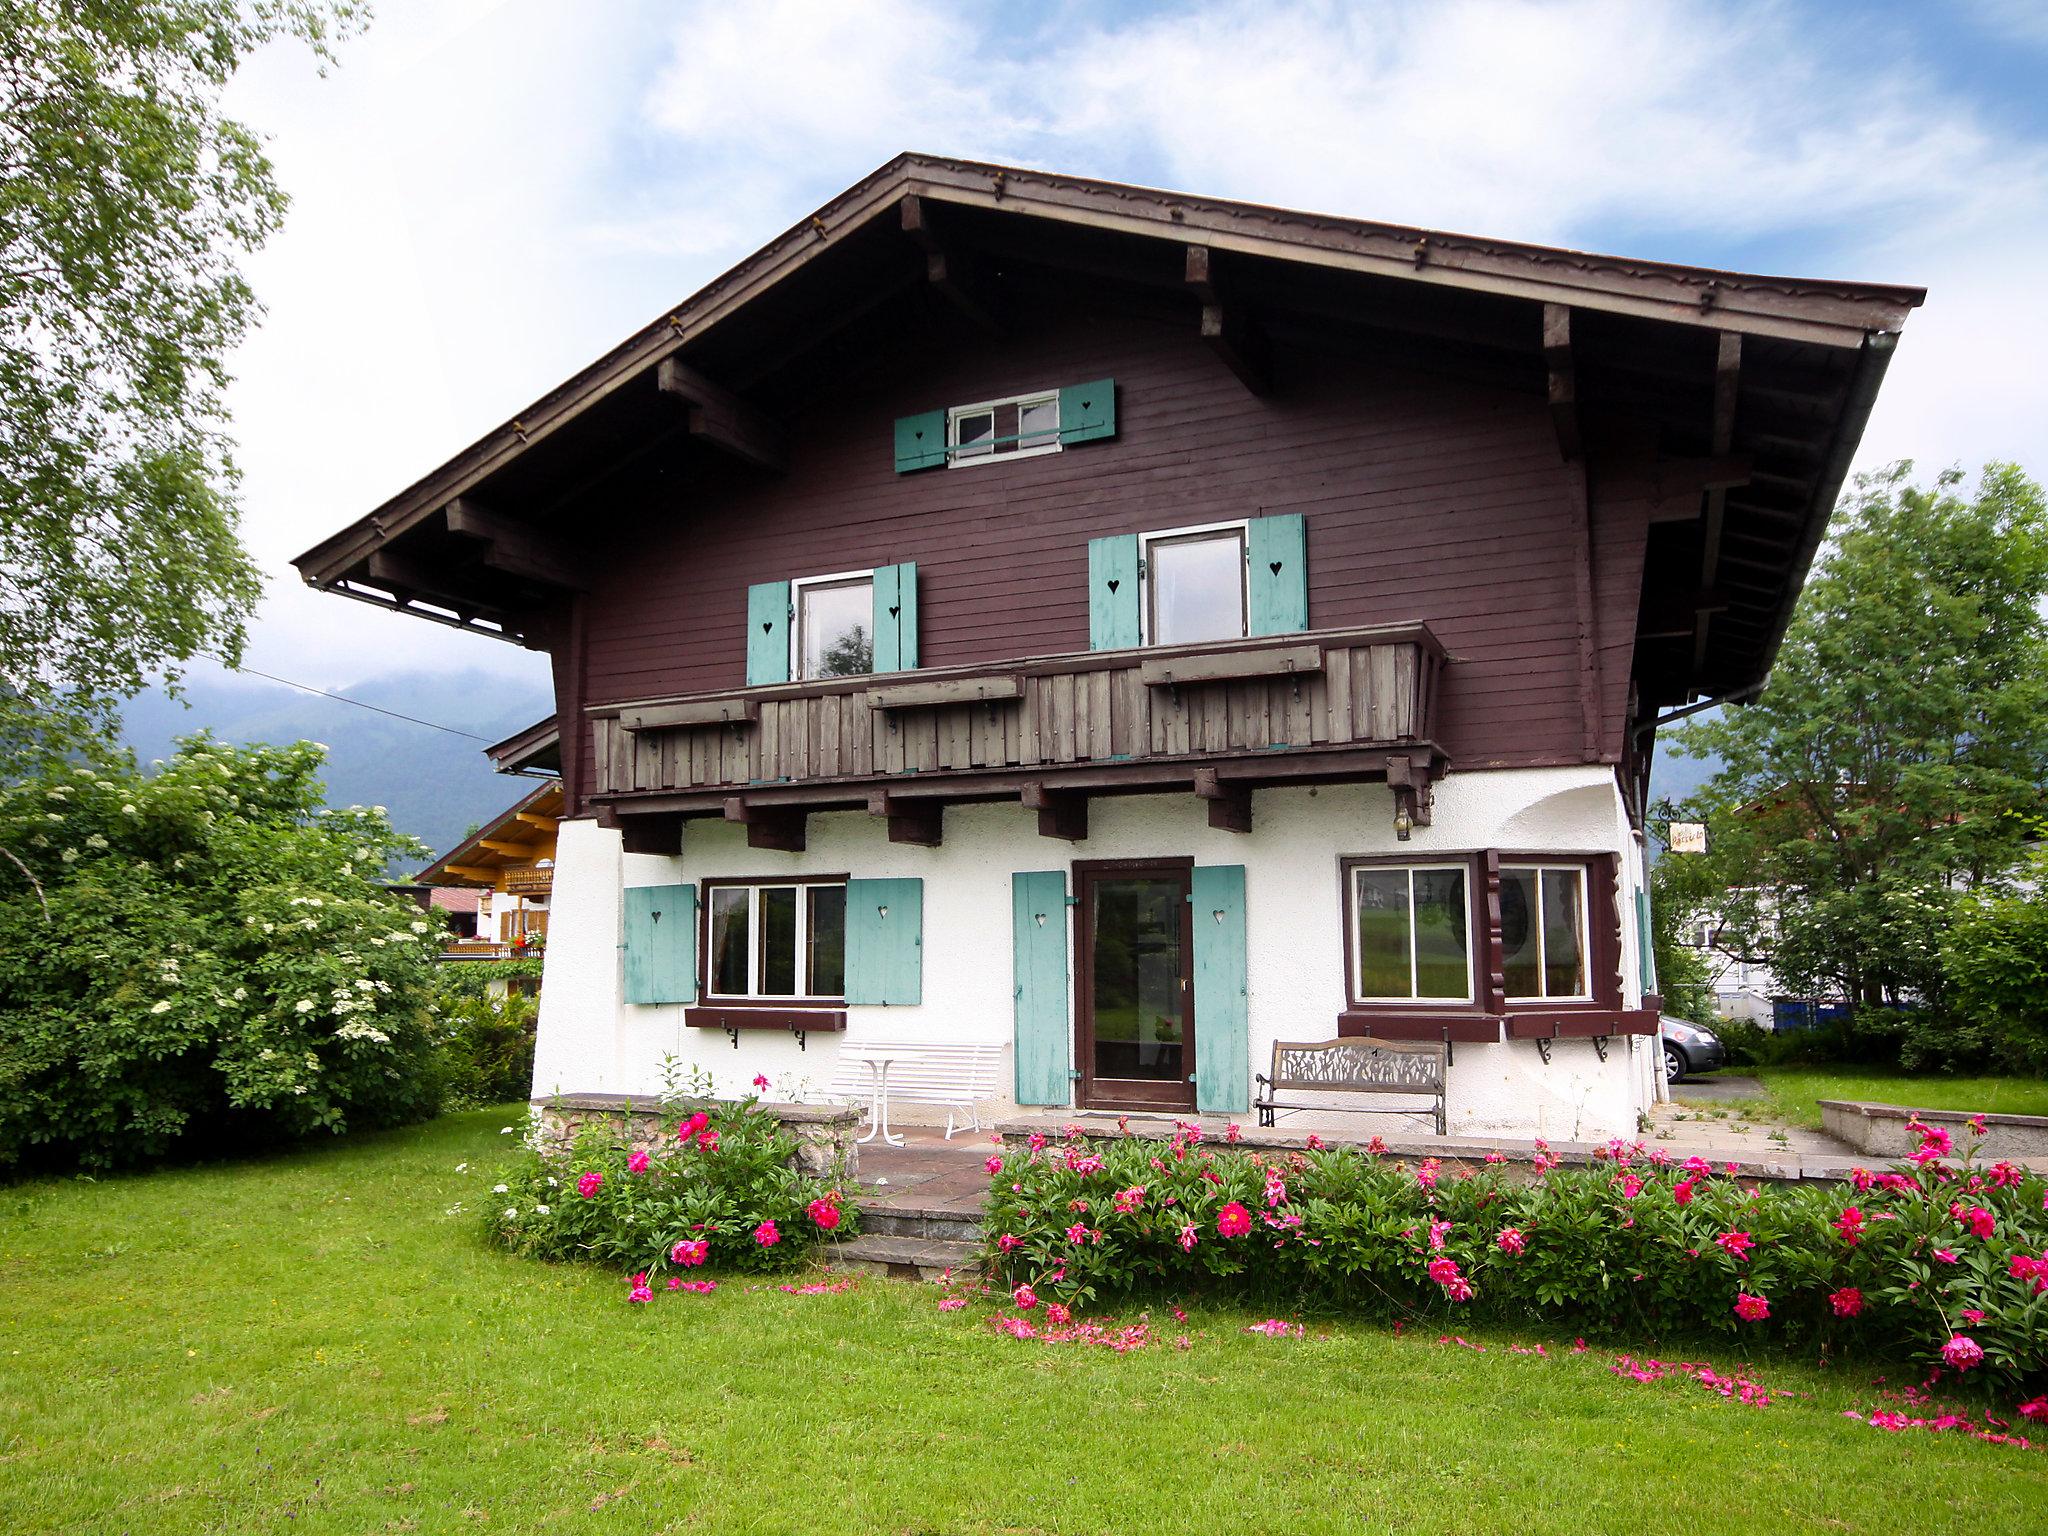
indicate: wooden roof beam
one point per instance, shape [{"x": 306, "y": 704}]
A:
[
  {"x": 951, "y": 274},
  {"x": 723, "y": 420},
  {"x": 516, "y": 549},
  {"x": 1563, "y": 379},
  {"x": 1727, "y": 388},
  {"x": 1226, "y": 329},
  {"x": 918, "y": 822},
  {"x": 777, "y": 826}
]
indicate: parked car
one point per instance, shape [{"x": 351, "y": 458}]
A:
[{"x": 1689, "y": 1048}]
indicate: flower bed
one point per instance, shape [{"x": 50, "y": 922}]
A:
[
  {"x": 1936, "y": 1259},
  {"x": 722, "y": 1188}
]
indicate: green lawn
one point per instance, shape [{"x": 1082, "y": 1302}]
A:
[
  {"x": 1795, "y": 1092},
  {"x": 312, "y": 1343}
]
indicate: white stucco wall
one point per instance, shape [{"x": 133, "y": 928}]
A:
[{"x": 591, "y": 1042}]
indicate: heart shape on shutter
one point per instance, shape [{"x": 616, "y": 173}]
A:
[
  {"x": 1085, "y": 404},
  {"x": 767, "y": 626},
  {"x": 1114, "y": 585},
  {"x": 1276, "y": 567},
  {"x": 894, "y": 611}
]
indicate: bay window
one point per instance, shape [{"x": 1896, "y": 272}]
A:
[{"x": 1543, "y": 932}]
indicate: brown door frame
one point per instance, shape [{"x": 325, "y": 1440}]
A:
[{"x": 1128, "y": 1093}]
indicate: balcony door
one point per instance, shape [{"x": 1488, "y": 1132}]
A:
[{"x": 1135, "y": 1018}]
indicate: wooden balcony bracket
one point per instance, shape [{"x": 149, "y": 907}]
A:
[
  {"x": 1061, "y": 813},
  {"x": 777, "y": 827},
  {"x": 920, "y": 822},
  {"x": 1230, "y": 805},
  {"x": 1412, "y": 780}
]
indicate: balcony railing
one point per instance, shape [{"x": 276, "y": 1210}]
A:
[{"x": 1327, "y": 704}]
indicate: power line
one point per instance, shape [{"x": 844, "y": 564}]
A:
[{"x": 359, "y": 704}]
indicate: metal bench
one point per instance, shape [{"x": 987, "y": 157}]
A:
[
  {"x": 923, "y": 1072},
  {"x": 1355, "y": 1066}
]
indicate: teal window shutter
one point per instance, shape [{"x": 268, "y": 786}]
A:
[
  {"x": 768, "y": 633},
  {"x": 920, "y": 441},
  {"x": 1088, "y": 412},
  {"x": 1038, "y": 915},
  {"x": 1223, "y": 1045},
  {"x": 1646, "y": 952},
  {"x": 1113, "y": 592},
  {"x": 661, "y": 944},
  {"x": 896, "y": 618},
  {"x": 1277, "y": 548},
  {"x": 885, "y": 941}
]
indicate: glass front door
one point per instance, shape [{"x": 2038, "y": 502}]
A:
[{"x": 1137, "y": 987}]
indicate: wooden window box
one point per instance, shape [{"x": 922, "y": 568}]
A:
[
  {"x": 664, "y": 717},
  {"x": 1408, "y": 1024},
  {"x": 951, "y": 690},
  {"x": 1230, "y": 666}
]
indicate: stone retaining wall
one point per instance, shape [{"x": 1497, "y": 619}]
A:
[
  {"x": 824, "y": 1132},
  {"x": 1883, "y": 1132}
]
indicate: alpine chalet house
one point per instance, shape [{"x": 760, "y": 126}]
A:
[{"x": 1124, "y": 630}]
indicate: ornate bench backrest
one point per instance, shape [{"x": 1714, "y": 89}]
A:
[{"x": 1359, "y": 1066}]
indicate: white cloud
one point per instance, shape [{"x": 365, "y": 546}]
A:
[{"x": 489, "y": 195}]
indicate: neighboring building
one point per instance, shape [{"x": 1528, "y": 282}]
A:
[
  {"x": 1137, "y": 628},
  {"x": 496, "y": 885}
]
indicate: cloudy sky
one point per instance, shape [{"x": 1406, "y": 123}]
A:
[{"x": 490, "y": 193}]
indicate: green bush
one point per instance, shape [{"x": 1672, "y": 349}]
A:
[
  {"x": 1634, "y": 1245},
  {"x": 200, "y": 958},
  {"x": 1995, "y": 957},
  {"x": 484, "y": 1042},
  {"x": 726, "y": 1179}
]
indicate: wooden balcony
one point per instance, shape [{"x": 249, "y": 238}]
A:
[{"x": 1216, "y": 719}]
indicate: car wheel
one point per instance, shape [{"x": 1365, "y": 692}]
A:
[{"x": 1674, "y": 1063}]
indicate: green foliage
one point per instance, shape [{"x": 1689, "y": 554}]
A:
[
  {"x": 484, "y": 1041},
  {"x": 1684, "y": 979},
  {"x": 202, "y": 955},
  {"x": 1996, "y": 960},
  {"x": 1900, "y": 751},
  {"x": 127, "y": 197},
  {"x": 1629, "y": 1246},
  {"x": 606, "y": 1201}
]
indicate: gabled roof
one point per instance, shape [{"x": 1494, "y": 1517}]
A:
[
  {"x": 459, "y": 545},
  {"x": 528, "y": 823}
]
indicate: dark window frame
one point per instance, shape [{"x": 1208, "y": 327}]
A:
[
  {"x": 708, "y": 998},
  {"x": 1477, "y": 922}
]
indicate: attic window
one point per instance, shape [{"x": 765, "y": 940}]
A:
[{"x": 1005, "y": 429}]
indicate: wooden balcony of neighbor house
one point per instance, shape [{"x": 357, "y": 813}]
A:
[{"x": 1217, "y": 719}]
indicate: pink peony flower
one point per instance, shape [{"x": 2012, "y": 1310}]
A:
[
  {"x": 1946, "y": 1255},
  {"x": 1980, "y": 1221},
  {"x": 688, "y": 1130},
  {"x": 1682, "y": 1191},
  {"x": 1009, "y": 1241},
  {"x": 1736, "y": 1245},
  {"x": 1511, "y": 1240},
  {"x": 1024, "y": 1297},
  {"x": 708, "y": 1142},
  {"x": 1445, "y": 1273},
  {"x": 1978, "y": 1127},
  {"x": 2035, "y": 1409},
  {"x": 640, "y": 1291},
  {"x": 1128, "y": 1200},
  {"x": 1426, "y": 1175},
  {"x": 1078, "y": 1233},
  {"x": 690, "y": 1252},
  {"x": 1315, "y": 1142},
  {"x": 1233, "y": 1133},
  {"x": 697, "y": 1287},
  {"x": 994, "y": 1166},
  {"x": 824, "y": 1213},
  {"x": 1850, "y": 1225},
  {"x": 1187, "y": 1238},
  {"x": 590, "y": 1184},
  {"x": 761, "y": 1081},
  {"x": 1972, "y": 1315},
  {"x": 1630, "y": 1186},
  {"x": 1961, "y": 1352},
  {"x": 952, "y": 1303},
  {"x": 1847, "y": 1302},
  {"x": 766, "y": 1234},
  {"x": 1751, "y": 1309},
  {"x": 1057, "y": 1315},
  {"x": 1276, "y": 1189},
  {"x": 1437, "y": 1229},
  {"x": 637, "y": 1163},
  {"x": 1233, "y": 1221},
  {"x": 1935, "y": 1142}
]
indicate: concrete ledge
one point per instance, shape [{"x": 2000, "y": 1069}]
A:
[
  {"x": 824, "y": 1132},
  {"x": 1453, "y": 1151},
  {"x": 1883, "y": 1130}
]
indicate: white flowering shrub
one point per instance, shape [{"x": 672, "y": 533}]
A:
[{"x": 203, "y": 957}]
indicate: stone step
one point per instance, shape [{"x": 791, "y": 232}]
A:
[
  {"x": 905, "y": 1258},
  {"x": 902, "y": 1219}
]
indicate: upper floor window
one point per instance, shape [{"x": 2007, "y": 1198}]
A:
[
  {"x": 834, "y": 634},
  {"x": 1410, "y": 932},
  {"x": 1543, "y": 932},
  {"x": 1024, "y": 424},
  {"x": 777, "y": 940},
  {"x": 1194, "y": 584}
]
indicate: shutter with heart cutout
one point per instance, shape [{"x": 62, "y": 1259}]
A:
[
  {"x": 1113, "y": 592},
  {"x": 896, "y": 617},
  {"x": 1276, "y": 548},
  {"x": 768, "y": 633}
]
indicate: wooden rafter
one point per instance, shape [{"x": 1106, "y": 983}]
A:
[
  {"x": 1563, "y": 384},
  {"x": 720, "y": 418},
  {"x": 1727, "y": 385},
  {"x": 952, "y": 274},
  {"x": 515, "y": 549},
  {"x": 1225, "y": 326}
]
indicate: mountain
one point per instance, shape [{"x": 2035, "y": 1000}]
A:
[{"x": 435, "y": 784}]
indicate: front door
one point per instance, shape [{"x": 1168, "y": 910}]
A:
[{"x": 1136, "y": 1015}]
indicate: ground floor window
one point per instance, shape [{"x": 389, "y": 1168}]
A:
[
  {"x": 1410, "y": 930},
  {"x": 779, "y": 940},
  {"x": 1543, "y": 932}
]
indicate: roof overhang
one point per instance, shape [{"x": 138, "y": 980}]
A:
[{"x": 443, "y": 549}]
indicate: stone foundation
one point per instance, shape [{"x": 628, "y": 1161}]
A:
[{"x": 824, "y": 1132}]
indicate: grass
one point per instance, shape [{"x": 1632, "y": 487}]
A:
[
  {"x": 1794, "y": 1092},
  {"x": 314, "y": 1343}
]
